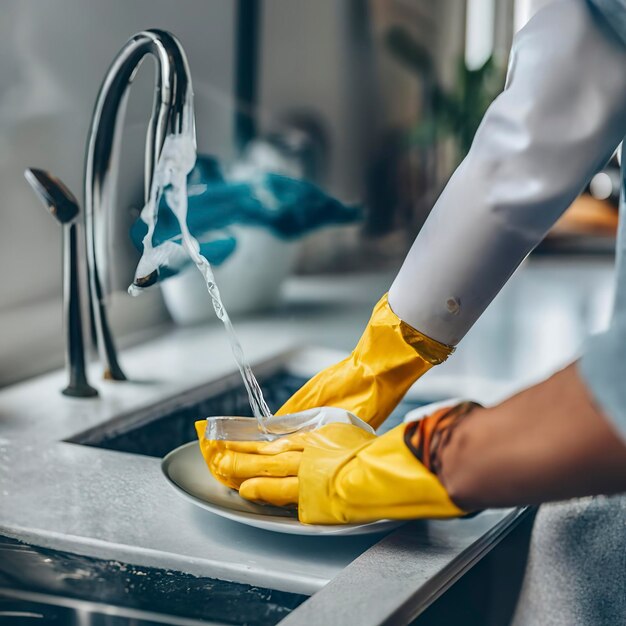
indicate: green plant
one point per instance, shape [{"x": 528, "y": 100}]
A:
[{"x": 456, "y": 112}]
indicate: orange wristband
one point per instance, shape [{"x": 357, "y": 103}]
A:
[{"x": 427, "y": 437}]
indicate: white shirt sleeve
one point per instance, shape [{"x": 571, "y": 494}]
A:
[{"x": 560, "y": 117}]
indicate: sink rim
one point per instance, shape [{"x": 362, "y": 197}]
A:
[{"x": 134, "y": 419}]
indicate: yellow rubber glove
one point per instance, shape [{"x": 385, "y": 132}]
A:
[
  {"x": 349, "y": 476},
  {"x": 388, "y": 359},
  {"x": 337, "y": 474},
  {"x": 237, "y": 464}
]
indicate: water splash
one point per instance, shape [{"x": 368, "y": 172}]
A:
[{"x": 177, "y": 159}]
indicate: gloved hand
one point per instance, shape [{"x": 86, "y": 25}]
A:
[
  {"x": 341, "y": 473},
  {"x": 389, "y": 357},
  {"x": 348, "y": 476},
  {"x": 237, "y": 464},
  {"x": 242, "y": 464}
]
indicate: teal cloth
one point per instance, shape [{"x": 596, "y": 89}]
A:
[{"x": 287, "y": 207}]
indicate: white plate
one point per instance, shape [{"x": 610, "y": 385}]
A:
[{"x": 187, "y": 472}]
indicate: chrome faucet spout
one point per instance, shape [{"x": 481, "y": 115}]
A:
[{"x": 171, "y": 114}]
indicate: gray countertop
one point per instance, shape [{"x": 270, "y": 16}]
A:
[{"x": 118, "y": 506}]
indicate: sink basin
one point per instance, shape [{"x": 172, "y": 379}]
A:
[
  {"x": 158, "y": 429},
  {"x": 45, "y": 586},
  {"x": 113, "y": 576}
]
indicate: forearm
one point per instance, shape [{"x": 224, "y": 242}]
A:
[
  {"x": 560, "y": 116},
  {"x": 546, "y": 443}
]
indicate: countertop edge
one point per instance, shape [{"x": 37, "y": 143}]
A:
[
  {"x": 146, "y": 557},
  {"x": 401, "y": 597}
]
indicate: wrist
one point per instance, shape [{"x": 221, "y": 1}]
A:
[
  {"x": 432, "y": 438},
  {"x": 456, "y": 457}
]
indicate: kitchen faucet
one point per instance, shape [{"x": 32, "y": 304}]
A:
[
  {"x": 172, "y": 113},
  {"x": 169, "y": 115}
]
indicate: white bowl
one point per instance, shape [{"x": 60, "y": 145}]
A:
[{"x": 249, "y": 281}]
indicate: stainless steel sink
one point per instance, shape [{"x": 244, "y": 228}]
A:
[
  {"x": 44, "y": 586},
  {"x": 58, "y": 587},
  {"x": 156, "y": 430},
  {"x": 60, "y": 584}
]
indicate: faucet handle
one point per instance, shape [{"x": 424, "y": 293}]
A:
[
  {"x": 54, "y": 195},
  {"x": 62, "y": 204}
]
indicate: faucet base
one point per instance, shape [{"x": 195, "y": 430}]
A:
[{"x": 80, "y": 391}]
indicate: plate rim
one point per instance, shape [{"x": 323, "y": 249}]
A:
[{"x": 276, "y": 524}]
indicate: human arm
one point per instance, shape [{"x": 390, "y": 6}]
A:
[
  {"x": 549, "y": 442},
  {"x": 561, "y": 115},
  {"x": 559, "y": 118}
]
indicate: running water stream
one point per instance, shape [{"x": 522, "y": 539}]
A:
[{"x": 177, "y": 159}]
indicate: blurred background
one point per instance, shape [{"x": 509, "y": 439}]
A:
[{"x": 375, "y": 102}]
